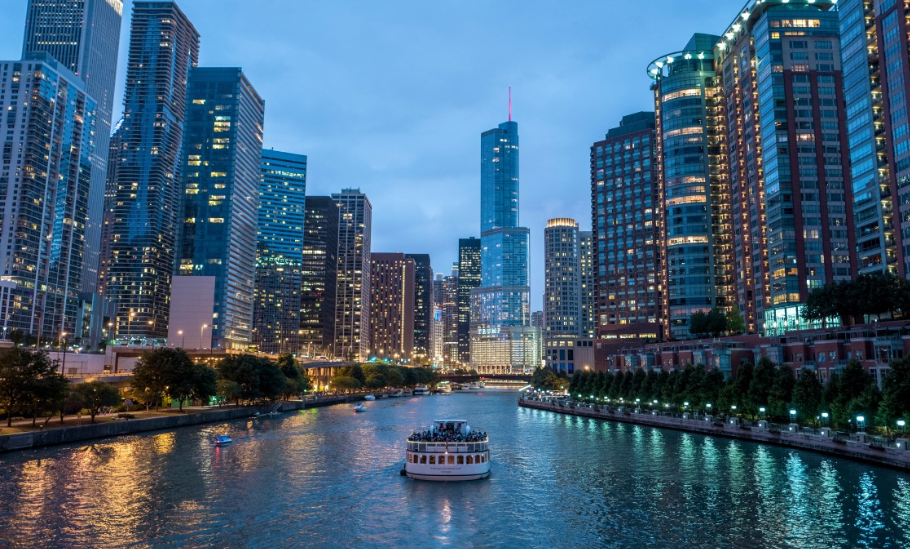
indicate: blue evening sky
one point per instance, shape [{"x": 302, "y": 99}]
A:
[{"x": 392, "y": 96}]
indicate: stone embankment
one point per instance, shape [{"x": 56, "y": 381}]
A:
[
  {"x": 66, "y": 435},
  {"x": 856, "y": 446}
]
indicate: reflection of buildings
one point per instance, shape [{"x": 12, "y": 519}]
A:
[
  {"x": 502, "y": 338},
  {"x": 392, "y": 306},
  {"x": 279, "y": 252},
  {"x": 352, "y": 298}
]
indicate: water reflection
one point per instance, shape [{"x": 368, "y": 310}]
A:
[{"x": 329, "y": 478}]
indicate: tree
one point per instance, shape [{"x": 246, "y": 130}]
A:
[
  {"x": 698, "y": 324},
  {"x": 781, "y": 394},
  {"x": 735, "y": 322},
  {"x": 855, "y": 393},
  {"x": 229, "y": 390},
  {"x": 297, "y": 379},
  {"x": 49, "y": 394},
  {"x": 807, "y": 395},
  {"x": 717, "y": 322},
  {"x": 155, "y": 369},
  {"x": 345, "y": 383},
  {"x": 895, "y": 403},
  {"x": 21, "y": 375},
  {"x": 257, "y": 377},
  {"x": 355, "y": 371},
  {"x": 96, "y": 395},
  {"x": 762, "y": 381},
  {"x": 545, "y": 379},
  {"x": 205, "y": 383}
]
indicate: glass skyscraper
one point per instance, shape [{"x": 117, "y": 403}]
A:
[
  {"x": 502, "y": 339},
  {"x": 468, "y": 279},
  {"x": 423, "y": 306},
  {"x": 279, "y": 252},
  {"x": 352, "y": 299},
  {"x": 84, "y": 36},
  {"x": 222, "y": 151},
  {"x": 164, "y": 46},
  {"x": 319, "y": 276}
]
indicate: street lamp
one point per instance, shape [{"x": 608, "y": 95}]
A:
[
  {"x": 792, "y": 415},
  {"x": 129, "y": 329},
  {"x": 901, "y": 424},
  {"x": 761, "y": 411},
  {"x": 63, "y": 366},
  {"x": 825, "y": 417},
  {"x": 861, "y": 423},
  {"x": 201, "y": 332},
  {"x": 182, "y": 338}
]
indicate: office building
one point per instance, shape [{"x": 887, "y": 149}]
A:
[
  {"x": 164, "y": 46},
  {"x": 588, "y": 284},
  {"x": 45, "y": 177},
  {"x": 218, "y": 214},
  {"x": 352, "y": 299},
  {"x": 392, "y": 306},
  {"x": 450, "y": 315},
  {"x": 84, "y": 37},
  {"x": 279, "y": 252},
  {"x": 319, "y": 277},
  {"x": 423, "y": 306},
  {"x": 562, "y": 279},
  {"x": 468, "y": 279}
]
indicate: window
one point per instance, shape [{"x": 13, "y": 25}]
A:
[
  {"x": 423, "y": 460},
  {"x": 451, "y": 460},
  {"x": 433, "y": 460},
  {"x": 470, "y": 460},
  {"x": 460, "y": 460}
]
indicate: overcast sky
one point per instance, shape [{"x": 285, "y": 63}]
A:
[{"x": 392, "y": 96}]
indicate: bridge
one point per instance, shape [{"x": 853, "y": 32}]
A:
[{"x": 467, "y": 378}]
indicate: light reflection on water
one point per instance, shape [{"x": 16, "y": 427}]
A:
[{"x": 329, "y": 478}]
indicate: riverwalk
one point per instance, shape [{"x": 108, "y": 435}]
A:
[
  {"x": 112, "y": 427},
  {"x": 857, "y": 446}
]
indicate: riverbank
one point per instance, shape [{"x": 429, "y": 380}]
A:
[
  {"x": 854, "y": 448},
  {"x": 91, "y": 431}
]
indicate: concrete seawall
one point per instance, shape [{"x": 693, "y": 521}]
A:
[
  {"x": 91, "y": 431},
  {"x": 888, "y": 457}
]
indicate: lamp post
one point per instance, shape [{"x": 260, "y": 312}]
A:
[
  {"x": 902, "y": 425},
  {"x": 825, "y": 417},
  {"x": 182, "y": 338},
  {"x": 129, "y": 329},
  {"x": 63, "y": 366},
  {"x": 201, "y": 332},
  {"x": 861, "y": 423},
  {"x": 761, "y": 412}
]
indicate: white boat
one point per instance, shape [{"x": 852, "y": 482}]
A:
[
  {"x": 472, "y": 386},
  {"x": 448, "y": 450},
  {"x": 360, "y": 408},
  {"x": 396, "y": 394},
  {"x": 421, "y": 390},
  {"x": 222, "y": 440},
  {"x": 444, "y": 387},
  {"x": 369, "y": 396}
]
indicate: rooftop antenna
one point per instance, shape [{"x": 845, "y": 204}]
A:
[{"x": 510, "y": 103}]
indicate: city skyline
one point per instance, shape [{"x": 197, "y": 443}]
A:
[{"x": 558, "y": 99}]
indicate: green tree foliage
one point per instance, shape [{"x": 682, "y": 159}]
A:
[
  {"x": 297, "y": 381},
  {"x": 355, "y": 371},
  {"x": 345, "y": 383},
  {"x": 171, "y": 372},
  {"x": 29, "y": 383},
  {"x": 807, "y": 396},
  {"x": 761, "y": 384},
  {"x": 895, "y": 403},
  {"x": 867, "y": 295},
  {"x": 545, "y": 379},
  {"x": 735, "y": 322},
  {"x": 96, "y": 395},
  {"x": 258, "y": 378},
  {"x": 782, "y": 394},
  {"x": 852, "y": 393},
  {"x": 698, "y": 324}
]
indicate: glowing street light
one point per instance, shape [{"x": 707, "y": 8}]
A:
[{"x": 861, "y": 423}]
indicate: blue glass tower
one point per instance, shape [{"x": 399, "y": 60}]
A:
[{"x": 502, "y": 339}]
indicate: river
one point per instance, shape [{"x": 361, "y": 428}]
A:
[{"x": 330, "y": 478}]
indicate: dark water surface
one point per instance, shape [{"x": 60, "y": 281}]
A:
[{"x": 330, "y": 478}]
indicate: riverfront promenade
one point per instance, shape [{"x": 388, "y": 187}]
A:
[
  {"x": 109, "y": 428},
  {"x": 857, "y": 446}
]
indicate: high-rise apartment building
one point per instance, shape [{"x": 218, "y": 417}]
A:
[
  {"x": 352, "y": 299},
  {"x": 450, "y": 317},
  {"x": 423, "y": 306},
  {"x": 780, "y": 79},
  {"x": 114, "y": 158},
  {"x": 279, "y": 252},
  {"x": 218, "y": 213},
  {"x": 502, "y": 338},
  {"x": 164, "y": 46},
  {"x": 876, "y": 55},
  {"x": 626, "y": 245},
  {"x": 588, "y": 284},
  {"x": 562, "y": 279},
  {"x": 319, "y": 277},
  {"x": 45, "y": 175},
  {"x": 392, "y": 306},
  {"x": 468, "y": 279},
  {"x": 84, "y": 36}
]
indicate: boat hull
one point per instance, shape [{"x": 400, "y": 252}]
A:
[{"x": 447, "y": 478}]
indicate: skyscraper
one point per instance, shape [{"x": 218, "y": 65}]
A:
[
  {"x": 352, "y": 299},
  {"x": 84, "y": 36},
  {"x": 562, "y": 279},
  {"x": 279, "y": 252},
  {"x": 625, "y": 206},
  {"x": 221, "y": 166},
  {"x": 450, "y": 317},
  {"x": 502, "y": 338},
  {"x": 468, "y": 279},
  {"x": 319, "y": 277},
  {"x": 588, "y": 284},
  {"x": 164, "y": 46},
  {"x": 781, "y": 81},
  {"x": 45, "y": 176},
  {"x": 392, "y": 306},
  {"x": 876, "y": 53},
  {"x": 423, "y": 306}
]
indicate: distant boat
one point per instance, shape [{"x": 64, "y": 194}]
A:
[
  {"x": 222, "y": 440},
  {"x": 360, "y": 408},
  {"x": 421, "y": 390},
  {"x": 369, "y": 396},
  {"x": 444, "y": 387}
]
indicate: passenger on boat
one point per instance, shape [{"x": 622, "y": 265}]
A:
[{"x": 446, "y": 435}]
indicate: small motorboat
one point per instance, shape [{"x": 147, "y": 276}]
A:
[
  {"x": 222, "y": 440},
  {"x": 369, "y": 396},
  {"x": 360, "y": 408}
]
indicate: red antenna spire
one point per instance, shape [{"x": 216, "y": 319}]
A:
[{"x": 510, "y": 103}]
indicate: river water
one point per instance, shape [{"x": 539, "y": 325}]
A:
[{"x": 330, "y": 478}]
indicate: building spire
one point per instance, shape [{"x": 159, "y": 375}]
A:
[{"x": 510, "y": 103}]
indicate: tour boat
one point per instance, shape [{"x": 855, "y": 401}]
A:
[
  {"x": 472, "y": 386},
  {"x": 360, "y": 408},
  {"x": 221, "y": 440},
  {"x": 449, "y": 450},
  {"x": 421, "y": 390},
  {"x": 444, "y": 387},
  {"x": 369, "y": 396}
]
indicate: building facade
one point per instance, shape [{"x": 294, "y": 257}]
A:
[
  {"x": 84, "y": 36},
  {"x": 392, "y": 307},
  {"x": 45, "y": 178},
  {"x": 352, "y": 298},
  {"x": 468, "y": 279},
  {"x": 279, "y": 252},
  {"x": 502, "y": 338},
  {"x": 423, "y": 307},
  {"x": 562, "y": 279},
  {"x": 588, "y": 284},
  {"x": 626, "y": 254},
  {"x": 319, "y": 277},
  {"x": 164, "y": 46}
]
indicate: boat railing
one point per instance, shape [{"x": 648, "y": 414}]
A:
[{"x": 453, "y": 447}]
